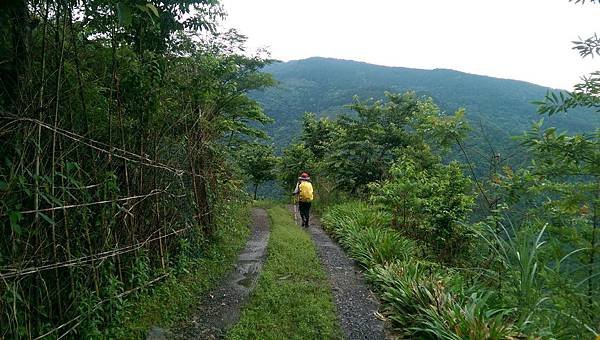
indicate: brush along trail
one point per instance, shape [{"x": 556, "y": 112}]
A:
[{"x": 307, "y": 289}]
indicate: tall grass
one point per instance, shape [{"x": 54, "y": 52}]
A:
[
  {"x": 362, "y": 231},
  {"x": 508, "y": 297},
  {"x": 472, "y": 318},
  {"x": 541, "y": 290},
  {"x": 518, "y": 252}
]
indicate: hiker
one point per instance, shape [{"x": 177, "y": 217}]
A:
[{"x": 304, "y": 190}]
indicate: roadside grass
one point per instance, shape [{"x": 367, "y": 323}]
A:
[
  {"x": 423, "y": 298},
  {"x": 174, "y": 299},
  {"x": 292, "y": 299}
]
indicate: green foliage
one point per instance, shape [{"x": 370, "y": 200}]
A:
[
  {"x": 521, "y": 265},
  {"x": 366, "y": 146},
  {"x": 407, "y": 288},
  {"x": 318, "y": 135},
  {"x": 513, "y": 289},
  {"x": 471, "y": 319},
  {"x": 429, "y": 304},
  {"x": 363, "y": 231},
  {"x": 177, "y": 297},
  {"x": 295, "y": 159},
  {"x": 585, "y": 93},
  {"x": 117, "y": 154},
  {"x": 353, "y": 151},
  {"x": 422, "y": 298},
  {"x": 430, "y": 205},
  {"x": 558, "y": 154},
  {"x": 258, "y": 163},
  {"x": 561, "y": 190}
]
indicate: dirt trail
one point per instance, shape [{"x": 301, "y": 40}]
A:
[
  {"x": 355, "y": 304},
  {"x": 221, "y": 308}
]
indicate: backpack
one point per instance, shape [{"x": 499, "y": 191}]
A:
[{"x": 305, "y": 191}]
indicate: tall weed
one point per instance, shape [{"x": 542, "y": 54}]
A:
[
  {"x": 520, "y": 282},
  {"x": 423, "y": 299},
  {"x": 362, "y": 231},
  {"x": 473, "y": 318}
]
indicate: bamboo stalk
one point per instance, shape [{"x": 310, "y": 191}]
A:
[
  {"x": 66, "y": 229},
  {"x": 592, "y": 258},
  {"x": 54, "y": 137},
  {"x": 157, "y": 212}
]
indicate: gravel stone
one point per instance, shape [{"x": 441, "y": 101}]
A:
[{"x": 356, "y": 305}]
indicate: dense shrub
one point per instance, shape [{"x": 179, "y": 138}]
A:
[
  {"x": 422, "y": 298},
  {"x": 426, "y": 301},
  {"x": 429, "y": 205},
  {"x": 363, "y": 232}
]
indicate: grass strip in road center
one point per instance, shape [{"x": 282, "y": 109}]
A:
[{"x": 292, "y": 299}]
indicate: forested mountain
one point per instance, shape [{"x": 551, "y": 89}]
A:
[{"x": 496, "y": 108}]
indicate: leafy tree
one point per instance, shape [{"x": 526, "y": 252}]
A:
[
  {"x": 258, "y": 163},
  {"x": 366, "y": 145},
  {"x": 295, "y": 159},
  {"x": 318, "y": 135},
  {"x": 430, "y": 205}
]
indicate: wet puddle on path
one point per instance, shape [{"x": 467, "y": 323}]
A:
[{"x": 221, "y": 308}]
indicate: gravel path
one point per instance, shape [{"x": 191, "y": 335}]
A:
[
  {"x": 221, "y": 309},
  {"x": 355, "y": 304}
]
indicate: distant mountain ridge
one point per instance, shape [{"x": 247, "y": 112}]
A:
[{"x": 496, "y": 108}]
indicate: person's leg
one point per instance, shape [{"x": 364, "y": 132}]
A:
[
  {"x": 302, "y": 208},
  {"x": 307, "y": 214}
]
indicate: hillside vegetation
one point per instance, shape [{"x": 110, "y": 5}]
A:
[
  {"x": 453, "y": 255},
  {"x": 495, "y": 108},
  {"x": 511, "y": 252}
]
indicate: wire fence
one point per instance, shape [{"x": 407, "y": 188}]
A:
[{"x": 74, "y": 243}]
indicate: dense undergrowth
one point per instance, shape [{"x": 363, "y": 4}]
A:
[
  {"x": 175, "y": 299},
  {"x": 121, "y": 124},
  {"x": 504, "y": 289}
]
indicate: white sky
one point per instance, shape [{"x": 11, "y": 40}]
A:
[{"x": 518, "y": 39}]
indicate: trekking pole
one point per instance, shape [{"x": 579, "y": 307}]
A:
[{"x": 295, "y": 208}]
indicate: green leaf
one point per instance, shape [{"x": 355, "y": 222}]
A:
[
  {"x": 47, "y": 218},
  {"x": 15, "y": 217},
  {"x": 153, "y": 9},
  {"x": 71, "y": 166},
  {"x": 124, "y": 13}
]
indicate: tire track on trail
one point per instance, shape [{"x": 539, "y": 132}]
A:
[
  {"x": 355, "y": 304},
  {"x": 221, "y": 309}
]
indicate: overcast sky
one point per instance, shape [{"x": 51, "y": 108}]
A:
[{"x": 518, "y": 39}]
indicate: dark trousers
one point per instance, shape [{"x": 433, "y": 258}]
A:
[{"x": 304, "y": 208}]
